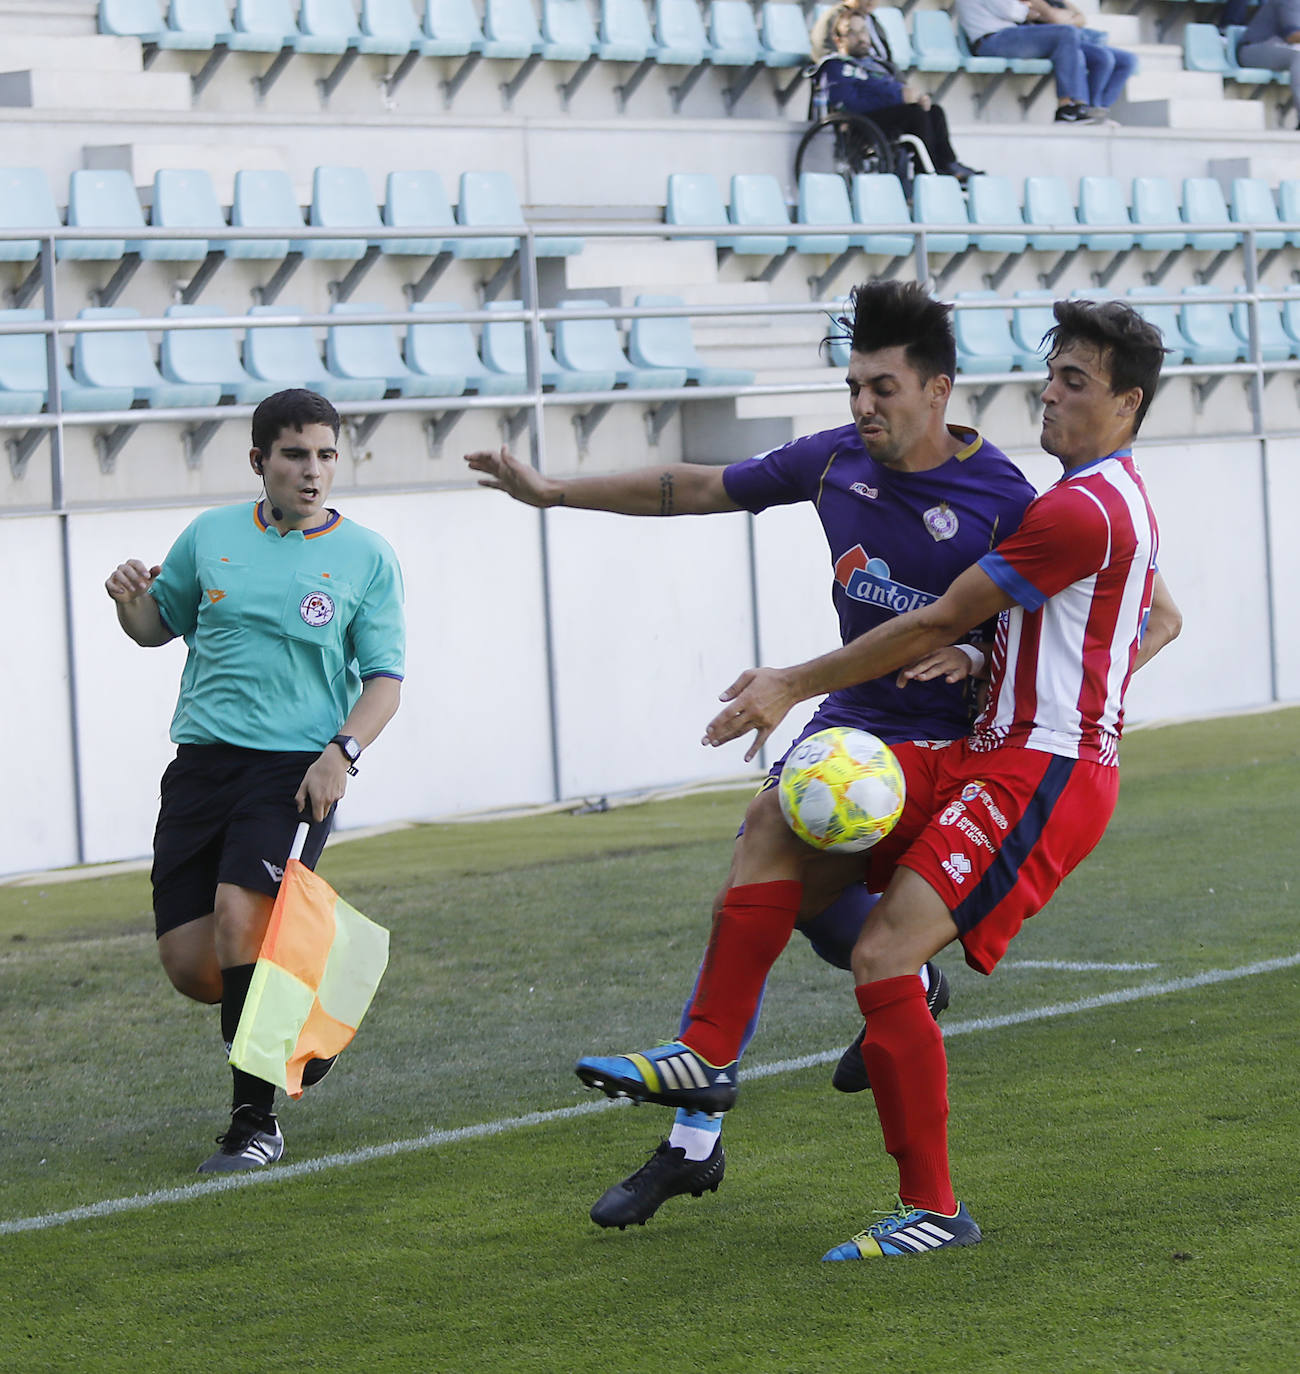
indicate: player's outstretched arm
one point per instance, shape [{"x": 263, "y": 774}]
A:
[
  {"x": 674, "y": 489},
  {"x": 1164, "y": 623},
  {"x": 325, "y": 782},
  {"x": 137, "y": 612}
]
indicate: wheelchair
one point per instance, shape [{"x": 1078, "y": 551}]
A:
[{"x": 848, "y": 144}]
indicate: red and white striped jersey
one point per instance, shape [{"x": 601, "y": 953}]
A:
[{"x": 1081, "y": 568}]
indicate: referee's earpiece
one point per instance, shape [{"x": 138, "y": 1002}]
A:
[{"x": 276, "y": 513}]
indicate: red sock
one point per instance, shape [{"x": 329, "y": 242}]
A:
[
  {"x": 749, "y": 934},
  {"x": 905, "y": 1059}
]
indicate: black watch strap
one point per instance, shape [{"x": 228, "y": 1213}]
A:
[{"x": 351, "y": 750}]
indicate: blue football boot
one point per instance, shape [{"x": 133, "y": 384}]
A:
[
  {"x": 909, "y": 1231},
  {"x": 672, "y": 1075}
]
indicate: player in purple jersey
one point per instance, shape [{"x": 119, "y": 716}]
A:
[{"x": 906, "y": 502}]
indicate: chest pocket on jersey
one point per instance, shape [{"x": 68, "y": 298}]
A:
[{"x": 314, "y": 610}]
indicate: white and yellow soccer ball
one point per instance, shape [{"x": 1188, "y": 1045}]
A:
[{"x": 841, "y": 790}]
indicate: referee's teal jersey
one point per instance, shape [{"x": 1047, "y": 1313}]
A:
[{"x": 281, "y": 630}]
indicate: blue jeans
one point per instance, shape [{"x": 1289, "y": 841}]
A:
[
  {"x": 1062, "y": 43},
  {"x": 1108, "y": 68}
]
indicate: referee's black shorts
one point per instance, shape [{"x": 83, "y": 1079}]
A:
[{"x": 227, "y": 816}]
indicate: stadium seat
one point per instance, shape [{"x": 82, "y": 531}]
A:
[
  {"x": 210, "y": 22},
  {"x": 1245, "y": 76},
  {"x": 1203, "y": 50},
  {"x": 510, "y": 29},
  {"x": 1274, "y": 341},
  {"x": 592, "y": 346},
  {"x": 207, "y": 357},
  {"x": 100, "y": 198},
  {"x": 694, "y": 199},
  {"x": 1290, "y": 317},
  {"x": 265, "y": 200},
  {"x": 26, "y": 202},
  {"x": 185, "y": 199},
  {"x": 342, "y": 198},
  {"x": 1288, "y": 204},
  {"x": 267, "y": 21},
  {"x": 1031, "y": 318},
  {"x": 625, "y": 33},
  {"x": 1101, "y": 204},
  {"x": 365, "y": 352},
  {"x": 1203, "y": 203},
  {"x": 24, "y": 379},
  {"x": 143, "y": 19},
  {"x": 1251, "y": 202},
  {"x": 288, "y": 357},
  {"x": 733, "y": 34},
  {"x": 488, "y": 198},
  {"x": 934, "y": 44},
  {"x": 784, "y": 35},
  {"x": 666, "y": 342},
  {"x": 938, "y": 204},
  {"x": 336, "y": 20},
  {"x": 444, "y": 349},
  {"x": 682, "y": 41},
  {"x": 1155, "y": 202},
  {"x": 757, "y": 199},
  {"x": 1207, "y": 327},
  {"x": 451, "y": 28},
  {"x": 394, "y": 23},
  {"x": 1165, "y": 319},
  {"x": 993, "y": 200},
  {"x": 568, "y": 34},
  {"x": 417, "y": 200},
  {"x": 890, "y": 18},
  {"x": 823, "y": 199},
  {"x": 984, "y": 340},
  {"x": 977, "y": 66},
  {"x": 125, "y": 359},
  {"x": 878, "y": 198},
  {"x": 1048, "y": 201},
  {"x": 504, "y": 351}
]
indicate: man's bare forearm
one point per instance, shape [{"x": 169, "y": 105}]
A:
[{"x": 675, "y": 489}]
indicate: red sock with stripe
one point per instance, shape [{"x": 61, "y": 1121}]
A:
[
  {"x": 748, "y": 936},
  {"x": 905, "y": 1059}
]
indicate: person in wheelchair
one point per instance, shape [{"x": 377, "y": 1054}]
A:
[{"x": 860, "y": 78}]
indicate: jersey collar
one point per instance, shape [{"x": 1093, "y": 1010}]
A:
[
  {"x": 1120, "y": 454},
  {"x": 331, "y": 522}
]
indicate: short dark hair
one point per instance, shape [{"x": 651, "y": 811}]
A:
[
  {"x": 890, "y": 314},
  {"x": 292, "y": 409},
  {"x": 1132, "y": 348}
]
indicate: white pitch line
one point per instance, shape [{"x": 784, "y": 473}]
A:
[
  {"x": 283, "y": 1173},
  {"x": 1077, "y": 966}
]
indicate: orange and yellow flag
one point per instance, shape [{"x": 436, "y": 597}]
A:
[{"x": 320, "y": 963}]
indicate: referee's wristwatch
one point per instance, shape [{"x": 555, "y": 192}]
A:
[{"x": 351, "y": 751}]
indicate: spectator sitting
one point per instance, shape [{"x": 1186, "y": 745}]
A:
[
  {"x": 1108, "y": 68},
  {"x": 861, "y": 79},
  {"x": 1272, "y": 40},
  {"x": 821, "y": 42},
  {"x": 1010, "y": 28}
]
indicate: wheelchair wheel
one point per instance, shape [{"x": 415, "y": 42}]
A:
[{"x": 845, "y": 144}]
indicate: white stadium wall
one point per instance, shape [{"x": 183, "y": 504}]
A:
[{"x": 650, "y": 620}]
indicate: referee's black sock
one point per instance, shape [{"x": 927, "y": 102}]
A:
[{"x": 248, "y": 1089}]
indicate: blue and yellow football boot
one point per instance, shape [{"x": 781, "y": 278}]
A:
[
  {"x": 909, "y": 1231},
  {"x": 672, "y": 1075}
]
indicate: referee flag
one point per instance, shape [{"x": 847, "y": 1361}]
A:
[{"x": 316, "y": 973}]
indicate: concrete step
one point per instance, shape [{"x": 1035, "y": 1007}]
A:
[
  {"x": 1173, "y": 85},
  {"x": 1123, "y": 30},
  {"x": 71, "y": 17},
  {"x": 220, "y": 160},
  {"x": 73, "y": 52},
  {"x": 43, "y": 88},
  {"x": 1152, "y": 57},
  {"x": 1220, "y": 116}
]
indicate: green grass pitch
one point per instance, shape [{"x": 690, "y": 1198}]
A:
[{"x": 1134, "y": 1165}]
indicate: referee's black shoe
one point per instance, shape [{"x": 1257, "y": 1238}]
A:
[
  {"x": 850, "y": 1074},
  {"x": 252, "y": 1141},
  {"x": 667, "y": 1173}
]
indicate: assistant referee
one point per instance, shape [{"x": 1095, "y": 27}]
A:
[{"x": 293, "y": 619}]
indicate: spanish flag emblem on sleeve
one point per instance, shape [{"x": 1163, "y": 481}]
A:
[{"x": 320, "y": 963}]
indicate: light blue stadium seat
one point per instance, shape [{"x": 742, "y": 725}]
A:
[
  {"x": 208, "y": 357},
  {"x": 694, "y": 199},
  {"x": 24, "y": 384},
  {"x": 395, "y": 24},
  {"x": 489, "y": 198},
  {"x": 1246, "y": 76},
  {"x": 504, "y": 351},
  {"x": 126, "y": 360},
  {"x": 269, "y": 22},
  {"x": 143, "y": 19},
  {"x": 26, "y": 202},
  {"x": 568, "y": 34},
  {"x": 933, "y": 42},
  {"x": 209, "y": 23},
  {"x": 510, "y": 29},
  {"x": 1290, "y": 316},
  {"x": 1031, "y": 318},
  {"x": 667, "y": 343},
  {"x": 341, "y": 198},
  {"x": 757, "y": 199},
  {"x": 105, "y": 199},
  {"x": 451, "y": 28},
  {"x": 1048, "y": 201},
  {"x": 1156, "y": 202},
  {"x": 1101, "y": 204},
  {"x": 1165, "y": 319},
  {"x": 289, "y": 357},
  {"x": 1275, "y": 343},
  {"x": 186, "y": 199},
  {"x": 265, "y": 200},
  {"x": 823, "y": 199},
  {"x": 1252, "y": 203},
  {"x": 891, "y": 19},
  {"x": 1203, "y": 49},
  {"x": 977, "y": 66},
  {"x": 336, "y": 20},
  {"x": 937, "y": 202},
  {"x": 682, "y": 41},
  {"x": 1203, "y": 203},
  {"x": 444, "y": 349},
  {"x": 784, "y": 35},
  {"x": 625, "y": 33},
  {"x": 839, "y": 340},
  {"x": 984, "y": 341},
  {"x": 416, "y": 200},
  {"x": 993, "y": 200},
  {"x": 733, "y": 34},
  {"x": 592, "y": 346},
  {"x": 368, "y": 352},
  {"x": 1207, "y": 327},
  {"x": 1288, "y": 204},
  {"x": 878, "y": 198}
]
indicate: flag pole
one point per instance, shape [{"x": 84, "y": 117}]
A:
[{"x": 299, "y": 840}]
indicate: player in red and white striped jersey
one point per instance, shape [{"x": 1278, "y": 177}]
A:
[{"x": 994, "y": 823}]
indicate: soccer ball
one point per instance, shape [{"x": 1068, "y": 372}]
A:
[{"x": 841, "y": 790}]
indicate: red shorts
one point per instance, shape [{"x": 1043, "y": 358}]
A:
[{"x": 993, "y": 833}]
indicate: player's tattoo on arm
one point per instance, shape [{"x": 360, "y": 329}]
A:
[{"x": 666, "y": 494}]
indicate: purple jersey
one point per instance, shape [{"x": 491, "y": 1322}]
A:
[{"x": 897, "y": 540}]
